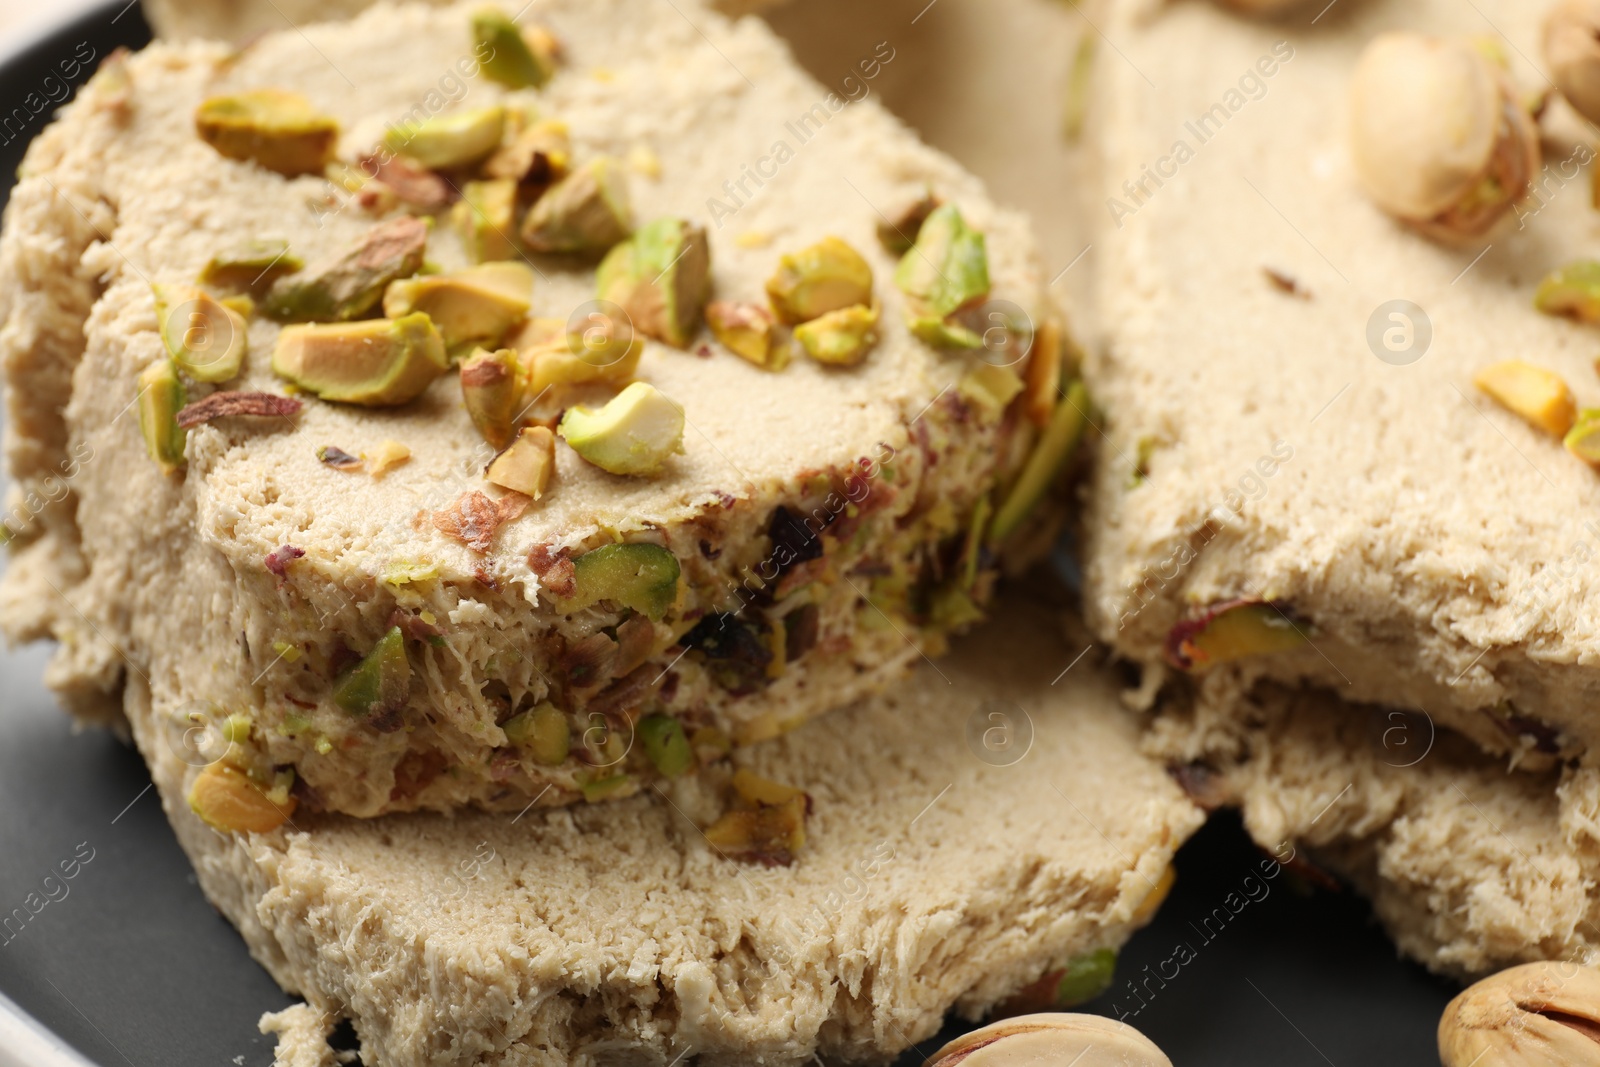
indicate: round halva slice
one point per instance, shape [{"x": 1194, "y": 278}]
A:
[{"x": 694, "y": 538}]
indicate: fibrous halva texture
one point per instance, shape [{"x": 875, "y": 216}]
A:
[
  {"x": 347, "y": 585},
  {"x": 970, "y": 833},
  {"x": 1302, "y": 480}
]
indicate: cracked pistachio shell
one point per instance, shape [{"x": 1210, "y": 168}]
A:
[
  {"x": 476, "y": 304},
  {"x": 1536, "y": 1015},
  {"x": 587, "y": 212},
  {"x": 661, "y": 277},
  {"x": 272, "y": 128},
  {"x": 376, "y": 363},
  {"x": 634, "y": 433},
  {"x": 827, "y": 276},
  {"x": 1053, "y": 1038},
  {"x": 205, "y": 338},
  {"x": 947, "y": 268},
  {"x": 456, "y": 139}
]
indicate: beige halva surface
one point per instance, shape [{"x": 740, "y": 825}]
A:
[
  {"x": 933, "y": 880},
  {"x": 168, "y": 576},
  {"x": 1445, "y": 550}
]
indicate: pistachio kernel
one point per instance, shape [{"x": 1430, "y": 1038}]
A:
[
  {"x": 661, "y": 277},
  {"x": 1042, "y": 377},
  {"x": 525, "y": 466},
  {"x": 1583, "y": 440},
  {"x": 485, "y": 216},
  {"x": 1234, "y": 630},
  {"x": 634, "y": 433},
  {"x": 947, "y": 269},
  {"x": 839, "y": 338},
  {"x": 252, "y": 265},
  {"x": 272, "y": 128},
  {"x": 227, "y": 799},
  {"x": 990, "y": 389},
  {"x": 898, "y": 232},
  {"x": 587, "y": 212},
  {"x": 1573, "y": 291},
  {"x": 1048, "y": 458},
  {"x": 478, "y": 304},
  {"x": 746, "y": 330},
  {"x": 490, "y": 390},
  {"x": 205, "y": 338},
  {"x": 544, "y": 732},
  {"x": 379, "y": 687},
  {"x": 827, "y": 276},
  {"x": 1539, "y": 396},
  {"x": 375, "y": 363},
  {"x": 617, "y": 785},
  {"x": 511, "y": 59},
  {"x": 351, "y": 282},
  {"x": 456, "y": 139},
  {"x": 771, "y": 836},
  {"x": 642, "y": 577},
  {"x": 666, "y": 745},
  {"x": 538, "y": 155},
  {"x": 161, "y": 397}
]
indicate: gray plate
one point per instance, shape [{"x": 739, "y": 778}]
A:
[{"x": 130, "y": 966}]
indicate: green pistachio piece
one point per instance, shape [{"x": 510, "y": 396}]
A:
[
  {"x": 666, "y": 745},
  {"x": 489, "y": 387},
  {"x": 1232, "y": 631},
  {"x": 381, "y": 683},
  {"x": 989, "y": 389},
  {"x": 377, "y": 363},
  {"x": 1583, "y": 440},
  {"x": 478, "y": 304},
  {"x": 1050, "y": 454},
  {"x": 538, "y": 155},
  {"x": 1085, "y": 978},
  {"x": 457, "y": 139},
  {"x": 604, "y": 788},
  {"x": 275, "y": 129},
  {"x": 544, "y": 732},
  {"x": 580, "y": 359},
  {"x": 525, "y": 466},
  {"x": 972, "y": 548},
  {"x": 161, "y": 397},
  {"x": 828, "y": 276},
  {"x": 1574, "y": 290},
  {"x": 746, "y": 330},
  {"x": 350, "y": 283},
  {"x": 948, "y": 267},
  {"x": 486, "y": 218},
  {"x": 251, "y": 265},
  {"x": 586, "y": 212},
  {"x": 898, "y": 233},
  {"x": 511, "y": 60},
  {"x": 942, "y": 334},
  {"x": 661, "y": 277},
  {"x": 206, "y": 338},
  {"x": 643, "y": 577},
  {"x": 839, "y": 338},
  {"x": 633, "y": 433}
]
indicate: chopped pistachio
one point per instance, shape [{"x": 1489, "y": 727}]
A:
[
  {"x": 486, "y": 217},
  {"x": 1050, "y": 454},
  {"x": 948, "y": 267},
  {"x": 525, "y": 466},
  {"x": 839, "y": 338},
  {"x": 972, "y": 548},
  {"x": 944, "y": 333},
  {"x": 349, "y": 283},
  {"x": 206, "y": 339},
  {"x": 161, "y": 397},
  {"x": 827, "y": 276},
  {"x": 376, "y": 363},
  {"x": 754, "y": 789},
  {"x": 586, "y": 212},
  {"x": 661, "y": 277},
  {"x": 386, "y": 457},
  {"x": 478, "y": 304},
  {"x": 598, "y": 789},
  {"x": 770, "y": 835},
  {"x": 456, "y": 139},
  {"x": 227, "y": 799},
  {"x": 380, "y": 685},
  {"x": 898, "y": 232},
  {"x": 544, "y": 732},
  {"x": 1042, "y": 377},
  {"x": 643, "y": 159},
  {"x": 241, "y": 304},
  {"x": 990, "y": 388},
  {"x": 746, "y": 330},
  {"x": 953, "y": 609},
  {"x": 666, "y": 745},
  {"x": 1583, "y": 440},
  {"x": 1537, "y": 395},
  {"x": 642, "y": 577},
  {"x": 511, "y": 60},
  {"x": 275, "y": 129},
  {"x": 634, "y": 433},
  {"x": 753, "y": 239},
  {"x": 538, "y": 155},
  {"x": 1232, "y": 632},
  {"x": 1574, "y": 290},
  {"x": 710, "y": 743},
  {"x": 490, "y": 390},
  {"x": 252, "y": 265},
  {"x": 1085, "y": 978}
]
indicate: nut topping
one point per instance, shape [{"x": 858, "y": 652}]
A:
[
  {"x": 1052, "y": 1038},
  {"x": 1536, "y": 1015}
]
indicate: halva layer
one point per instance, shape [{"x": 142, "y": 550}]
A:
[
  {"x": 1301, "y": 479},
  {"x": 545, "y": 413},
  {"x": 972, "y": 835}
]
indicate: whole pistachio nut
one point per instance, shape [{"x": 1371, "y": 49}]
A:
[
  {"x": 508, "y": 56},
  {"x": 839, "y": 338},
  {"x": 660, "y": 277},
  {"x": 1572, "y": 52},
  {"x": 251, "y": 265},
  {"x": 161, "y": 397},
  {"x": 205, "y": 338},
  {"x": 525, "y": 466},
  {"x": 1536, "y": 1015},
  {"x": 947, "y": 269},
  {"x": 491, "y": 390},
  {"x": 486, "y": 218},
  {"x": 376, "y": 363},
  {"x": 275, "y": 129},
  {"x": 825, "y": 277},
  {"x": 1438, "y": 136},
  {"x": 634, "y": 433},
  {"x": 586, "y": 212},
  {"x": 349, "y": 283},
  {"x": 746, "y": 330},
  {"x": 456, "y": 139},
  {"x": 1052, "y": 1038},
  {"x": 476, "y": 304}
]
